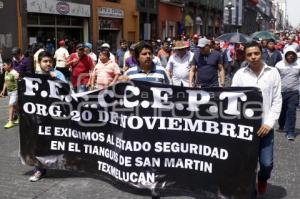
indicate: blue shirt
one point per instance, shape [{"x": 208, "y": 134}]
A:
[
  {"x": 273, "y": 59},
  {"x": 157, "y": 74},
  {"x": 120, "y": 57},
  {"x": 207, "y": 67}
]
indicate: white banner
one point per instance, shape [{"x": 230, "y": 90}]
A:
[{"x": 59, "y": 7}]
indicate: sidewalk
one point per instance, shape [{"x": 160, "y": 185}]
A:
[{"x": 285, "y": 181}]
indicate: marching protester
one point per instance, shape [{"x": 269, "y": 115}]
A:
[
  {"x": 208, "y": 65},
  {"x": 164, "y": 53},
  {"x": 88, "y": 50},
  {"x": 179, "y": 64},
  {"x": 45, "y": 60},
  {"x": 289, "y": 69},
  {"x": 61, "y": 55},
  {"x": 21, "y": 63},
  {"x": 10, "y": 85},
  {"x": 81, "y": 65},
  {"x": 106, "y": 46},
  {"x": 146, "y": 70},
  {"x": 194, "y": 44},
  {"x": 271, "y": 56},
  {"x": 131, "y": 60},
  {"x": 292, "y": 43},
  {"x": 258, "y": 74},
  {"x": 105, "y": 73},
  {"x": 121, "y": 53}
]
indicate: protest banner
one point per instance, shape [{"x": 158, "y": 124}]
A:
[{"x": 145, "y": 136}]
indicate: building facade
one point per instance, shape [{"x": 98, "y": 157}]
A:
[
  {"x": 170, "y": 19},
  {"x": 203, "y": 17},
  {"x": 10, "y": 31},
  {"x": 52, "y": 20},
  {"x": 233, "y": 15},
  {"x": 148, "y": 19},
  {"x": 115, "y": 20}
]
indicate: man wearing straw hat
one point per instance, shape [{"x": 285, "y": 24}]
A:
[{"x": 179, "y": 64}]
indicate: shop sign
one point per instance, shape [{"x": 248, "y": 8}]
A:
[
  {"x": 110, "y": 12},
  {"x": 63, "y": 8},
  {"x": 58, "y": 7}
]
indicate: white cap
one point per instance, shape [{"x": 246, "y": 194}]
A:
[
  {"x": 203, "y": 42},
  {"x": 105, "y": 45}
]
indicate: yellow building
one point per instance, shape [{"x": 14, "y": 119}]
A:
[{"x": 115, "y": 20}]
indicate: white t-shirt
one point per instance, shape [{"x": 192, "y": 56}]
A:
[
  {"x": 61, "y": 55},
  {"x": 180, "y": 68},
  {"x": 93, "y": 56}
]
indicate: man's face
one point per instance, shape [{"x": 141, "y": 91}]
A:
[
  {"x": 103, "y": 57},
  {"x": 87, "y": 50},
  {"x": 195, "y": 40},
  {"x": 17, "y": 57},
  {"x": 271, "y": 45},
  {"x": 165, "y": 45},
  {"x": 290, "y": 57},
  {"x": 46, "y": 64},
  {"x": 6, "y": 66},
  {"x": 253, "y": 55},
  {"x": 181, "y": 52},
  {"x": 264, "y": 43},
  {"x": 123, "y": 45},
  {"x": 145, "y": 58},
  {"x": 80, "y": 52},
  {"x": 217, "y": 46},
  {"x": 205, "y": 50}
]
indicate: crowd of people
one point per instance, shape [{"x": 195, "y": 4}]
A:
[{"x": 270, "y": 65}]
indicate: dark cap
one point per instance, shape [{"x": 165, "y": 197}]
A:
[
  {"x": 15, "y": 50},
  {"x": 80, "y": 46}
]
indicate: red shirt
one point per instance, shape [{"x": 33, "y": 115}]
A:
[{"x": 80, "y": 69}]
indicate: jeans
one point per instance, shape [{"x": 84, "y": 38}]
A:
[
  {"x": 266, "y": 156},
  {"x": 287, "y": 119},
  {"x": 81, "y": 88}
]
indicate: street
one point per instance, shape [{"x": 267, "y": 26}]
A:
[{"x": 285, "y": 181}]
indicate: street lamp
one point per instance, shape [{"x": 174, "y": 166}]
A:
[
  {"x": 229, "y": 7},
  {"x": 273, "y": 25},
  {"x": 259, "y": 19}
]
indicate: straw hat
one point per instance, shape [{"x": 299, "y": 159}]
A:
[{"x": 180, "y": 45}]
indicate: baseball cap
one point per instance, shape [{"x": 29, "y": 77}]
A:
[
  {"x": 203, "y": 42},
  {"x": 88, "y": 45},
  {"x": 61, "y": 43},
  {"x": 80, "y": 46},
  {"x": 105, "y": 45}
]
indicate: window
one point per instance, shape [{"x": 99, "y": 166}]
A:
[
  {"x": 32, "y": 19},
  {"x": 63, "y": 20},
  {"x": 47, "y": 20}
]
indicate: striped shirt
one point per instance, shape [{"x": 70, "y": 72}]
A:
[{"x": 157, "y": 74}]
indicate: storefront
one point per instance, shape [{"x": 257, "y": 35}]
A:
[
  {"x": 52, "y": 20},
  {"x": 111, "y": 26}
]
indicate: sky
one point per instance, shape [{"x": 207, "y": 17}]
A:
[{"x": 293, "y": 7}]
